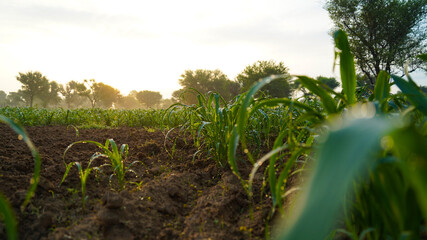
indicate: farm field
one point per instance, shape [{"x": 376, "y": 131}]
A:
[
  {"x": 164, "y": 198},
  {"x": 348, "y": 164}
]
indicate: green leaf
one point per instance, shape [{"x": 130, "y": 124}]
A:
[
  {"x": 327, "y": 101},
  {"x": 239, "y": 128},
  {"x": 8, "y": 217},
  {"x": 345, "y": 155},
  {"x": 347, "y": 69},
  {"x": 423, "y": 57},
  {"x": 233, "y": 143},
  {"x": 287, "y": 102},
  {"x": 382, "y": 87},
  {"x": 67, "y": 170},
  {"x": 411, "y": 147},
  {"x": 412, "y": 92}
]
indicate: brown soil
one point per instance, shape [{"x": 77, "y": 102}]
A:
[{"x": 166, "y": 197}]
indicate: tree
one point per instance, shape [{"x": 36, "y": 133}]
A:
[
  {"x": 133, "y": 93},
  {"x": 100, "y": 94},
  {"x": 204, "y": 81},
  {"x": 180, "y": 95},
  {"x": 330, "y": 82},
  {"x": 51, "y": 94},
  {"x": 149, "y": 98},
  {"x": 167, "y": 103},
  {"x": 107, "y": 95},
  {"x": 261, "y": 69},
  {"x": 383, "y": 34},
  {"x": 15, "y": 99},
  {"x": 72, "y": 93},
  {"x": 128, "y": 102},
  {"x": 3, "y": 98},
  {"x": 34, "y": 84}
]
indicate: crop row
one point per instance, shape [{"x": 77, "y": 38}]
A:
[{"x": 91, "y": 117}]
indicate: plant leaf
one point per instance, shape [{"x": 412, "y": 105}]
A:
[
  {"x": 327, "y": 101},
  {"x": 413, "y": 92},
  {"x": 411, "y": 147},
  {"x": 347, "y": 69},
  {"x": 340, "y": 160},
  {"x": 423, "y": 57},
  {"x": 382, "y": 87},
  {"x": 9, "y": 218}
]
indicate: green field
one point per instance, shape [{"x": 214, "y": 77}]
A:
[{"x": 362, "y": 153}]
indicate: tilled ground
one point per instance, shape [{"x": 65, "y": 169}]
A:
[{"x": 169, "y": 195}]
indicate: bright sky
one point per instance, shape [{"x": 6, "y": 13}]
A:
[{"x": 147, "y": 45}]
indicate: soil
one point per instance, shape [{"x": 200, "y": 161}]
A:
[{"x": 168, "y": 194}]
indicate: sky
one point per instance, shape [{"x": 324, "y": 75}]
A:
[{"x": 147, "y": 45}]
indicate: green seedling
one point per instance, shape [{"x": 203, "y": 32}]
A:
[
  {"x": 83, "y": 175},
  {"x": 75, "y": 128},
  {"x": 115, "y": 155}
]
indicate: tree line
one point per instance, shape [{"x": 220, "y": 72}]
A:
[
  {"x": 383, "y": 35},
  {"x": 37, "y": 90}
]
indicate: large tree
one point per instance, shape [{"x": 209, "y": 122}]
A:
[
  {"x": 261, "y": 69},
  {"x": 72, "y": 93},
  {"x": 15, "y": 99},
  {"x": 100, "y": 94},
  {"x": 149, "y": 98},
  {"x": 383, "y": 34},
  {"x": 204, "y": 81},
  {"x": 128, "y": 102},
  {"x": 331, "y": 82},
  {"x": 34, "y": 84},
  {"x": 51, "y": 94}
]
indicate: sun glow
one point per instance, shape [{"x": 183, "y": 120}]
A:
[{"x": 139, "y": 46}]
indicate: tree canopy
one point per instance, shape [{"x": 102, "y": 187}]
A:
[
  {"x": 100, "y": 94},
  {"x": 204, "y": 81},
  {"x": 15, "y": 99},
  {"x": 383, "y": 34},
  {"x": 72, "y": 93},
  {"x": 331, "y": 82},
  {"x": 127, "y": 102},
  {"x": 34, "y": 84},
  {"x": 149, "y": 98},
  {"x": 262, "y": 69},
  {"x": 51, "y": 94}
]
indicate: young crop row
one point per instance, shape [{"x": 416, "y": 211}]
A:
[
  {"x": 370, "y": 165},
  {"x": 92, "y": 117},
  {"x": 364, "y": 150}
]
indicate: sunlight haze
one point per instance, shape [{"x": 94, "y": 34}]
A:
[{"x": 147, "y": 45}]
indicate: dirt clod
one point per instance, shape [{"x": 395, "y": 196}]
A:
[{"x": 112, "y": 200}]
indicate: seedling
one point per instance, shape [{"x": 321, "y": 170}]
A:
[
  {"x": 83, "y": 175},
  {"x": 115, "y": 155}
]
